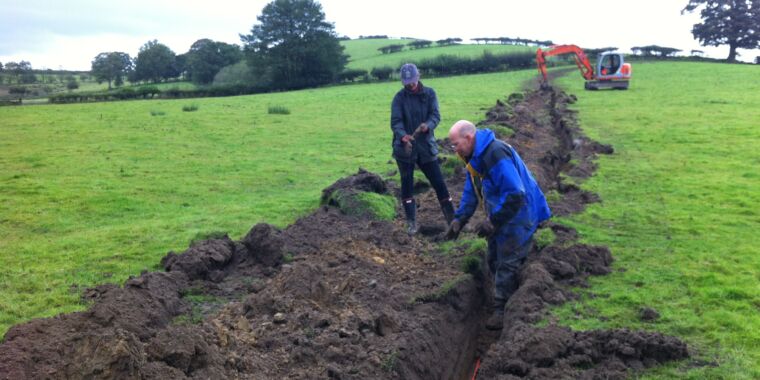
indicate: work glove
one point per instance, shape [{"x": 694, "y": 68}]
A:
[
  {"x": 407, "y": 139},
  {"x": 423, "y": 128},
  {"x": 452, "y": 233},
  {"x": 486, "y": 228}
]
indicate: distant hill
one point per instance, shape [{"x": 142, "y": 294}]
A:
[{"x": 363, "y": 53}]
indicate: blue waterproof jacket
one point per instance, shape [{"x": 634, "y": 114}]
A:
[
  {"x": 512, "y": 199},
  {"x": 409, "y": 110}
]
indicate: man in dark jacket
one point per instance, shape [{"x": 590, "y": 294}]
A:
[
  {"x": 414, "y": 116},
  {"x": 499, "y": 181}
]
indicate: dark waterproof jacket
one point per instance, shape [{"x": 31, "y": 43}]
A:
[
  {"x": 513, "y": 201},
  {"x": 408, "y": 111}
]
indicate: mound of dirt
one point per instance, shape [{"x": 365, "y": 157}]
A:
[
  {"x": 347, "y": 296},
  {"x": 558, "y": 353}
]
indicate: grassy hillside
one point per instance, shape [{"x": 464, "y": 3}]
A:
[
  {"x": 91, "y": 193},
  {"x": 364, "y": 54},
  {"x": 680, "y": 211},
  {"x": 360, "y": 49}
]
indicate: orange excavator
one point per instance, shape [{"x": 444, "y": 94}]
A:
[{"x": 611, "y": 70}]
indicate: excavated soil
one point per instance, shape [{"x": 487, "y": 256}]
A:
[{"x": 348, "y": 297}]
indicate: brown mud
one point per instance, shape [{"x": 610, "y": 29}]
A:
[{"x": 348, "y": 297}]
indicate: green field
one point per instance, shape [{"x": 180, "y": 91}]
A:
[
  {"x": 92, "y": 193},
  {"x": 363, "y": 54},
  {"x": 680, "y": 211}
]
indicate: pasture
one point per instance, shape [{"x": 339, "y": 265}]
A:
[
  {"x": 363, "y": 54},
  {"x": 680, "y": 211},
  {"x": 93, "y": 193}
]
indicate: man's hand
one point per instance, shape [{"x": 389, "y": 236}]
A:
[
  {"x": 423, "y": 128},
  {"x": 407, "y": 139},
  {"x": 452, "y": 233},
  {"x": 486, "y": 228}
]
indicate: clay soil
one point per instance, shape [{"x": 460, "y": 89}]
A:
[{"x": 349, "y": 297}]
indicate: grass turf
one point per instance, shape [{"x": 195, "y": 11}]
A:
[{"x": 680, "y": 211}]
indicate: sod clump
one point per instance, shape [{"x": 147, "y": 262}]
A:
[
  {"x": 363, "y": 194},
  {"x": 472, "y": 264},
  {"x": 544, "y": 237},
  {"x": 364, "y": 204},
  {"x": 381, "y": 206},
  {"x": 206, "y": 235}
]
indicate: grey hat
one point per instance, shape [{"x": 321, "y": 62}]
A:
[{"x": 409, "y": 74}]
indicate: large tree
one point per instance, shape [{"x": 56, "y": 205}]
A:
[
  {"x": 181, "y": 64},
  {"x": 21, "y": 71},
  {"x": 111, "y": 67},
  {"x": 155, "y": 62},
  {"x": 293, "y": 46},
  {"x": 207, "y": 57},
  {"x": 735, "y": 23}
]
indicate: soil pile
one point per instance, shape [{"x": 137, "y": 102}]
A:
[{"x": 351, "y": 297}]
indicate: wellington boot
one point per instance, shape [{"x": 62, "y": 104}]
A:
[
  {"x": 448, "y": 210},
  {"x": 411, "y": 227},
  {"x": 410, "y": 209}
]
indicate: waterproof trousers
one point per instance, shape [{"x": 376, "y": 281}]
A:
[{"x": 505, "y": 258}]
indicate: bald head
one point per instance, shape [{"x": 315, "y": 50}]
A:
[
  {"x": 462, "y": 128},
  {"x": 462, "y": 137}
]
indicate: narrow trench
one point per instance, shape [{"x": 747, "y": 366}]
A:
[
  {"x": 477, "y": 343},
  {"x": 559, "y": 156}
]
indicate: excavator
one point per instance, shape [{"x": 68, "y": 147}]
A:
[{"x": 611, "y": 70}]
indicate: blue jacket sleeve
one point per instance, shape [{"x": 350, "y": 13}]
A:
[
  {"x": 397, "y": 118},
  {"x": 511, "y": 192},
  {"x": 469, "y": 202},
  {"x": 434, "y": 114}
]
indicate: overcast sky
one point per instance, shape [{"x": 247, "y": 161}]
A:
[{"x": 69, "y": 34}]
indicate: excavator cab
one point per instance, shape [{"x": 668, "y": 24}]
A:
[
  {"x": 612, "y": 72},
  {"x": 609, "y": 64}
]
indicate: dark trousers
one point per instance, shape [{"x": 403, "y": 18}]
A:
[
  {"x": 433, "y": 173},
  {"x": 504, "y": 262}
]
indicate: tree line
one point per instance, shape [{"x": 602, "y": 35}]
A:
[
  {"x": 277, "y": 55},
  {"x": 156, "y": 62},
  {"x": 21, "y": 71},
  {"x": 421, "y": 44},
  {"x": 292, "y": 46},
  {"x": 513, "y": 41}
]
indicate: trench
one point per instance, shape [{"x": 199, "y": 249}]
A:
[
  {"x": 474, "y": 339},
  {"x": 548, "y": 139}
]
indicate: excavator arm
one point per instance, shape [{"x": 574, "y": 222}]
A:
[{"x": 580, "y": 59}]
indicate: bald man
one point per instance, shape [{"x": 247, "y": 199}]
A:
[{"x": 499, "y": 181}]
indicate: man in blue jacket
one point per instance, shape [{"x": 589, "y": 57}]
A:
[
  {"x": 414, "y": 116},
  {"x": 514, "y": 205}
]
